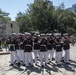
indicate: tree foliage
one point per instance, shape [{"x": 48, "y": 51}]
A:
[
  {"x": 2, "y": 16},
  {"x": 43, "y": 16}
]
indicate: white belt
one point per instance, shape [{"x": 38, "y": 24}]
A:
[
  {"x": 35, "y": 43},
  {"x": 43, "y": 45},
  {"x": 58, "y": 45},
  {"x": 12, "y": 44},
  {"x": 49, "y": 44},
  {"x": 27, "y": 45}
]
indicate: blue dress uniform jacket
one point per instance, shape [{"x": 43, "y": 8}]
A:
[
  {"x": 28, "y": 45},
  {"x": 49, "y": 44},
  {"x": 66, "y": 45},
  {"x": 12, "y": 45},
  {"x": 43, "y": 45},
  {"x": 16, "y": 45},
  {"x": 58, "y": 45},
  {"x": 36, "y": 44},
  {"x": 22, "y": 45}
]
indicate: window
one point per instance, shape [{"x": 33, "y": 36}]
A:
[{"x": 11, "y": 25}]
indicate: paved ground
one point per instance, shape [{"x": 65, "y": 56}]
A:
[{"x": 50, "y": 69}]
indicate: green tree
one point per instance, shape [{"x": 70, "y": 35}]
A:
[
  {"x": 2, "y": 16},
  {"x": 44, "y": 17},
  {"x": 41, "y": 15}
]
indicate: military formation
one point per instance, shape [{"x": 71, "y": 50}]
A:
[{"x": 44, "y": 47}]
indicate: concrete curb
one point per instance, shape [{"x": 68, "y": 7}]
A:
[{"x": 3, "y": 53}]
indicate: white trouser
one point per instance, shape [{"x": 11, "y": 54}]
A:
[
  {"x": 28, "y": 58},
  {"x": 58, "y": 57},
  {"x": 53, "y": 53},
  {"x": 13, "y": 56},
  {"x": 43, "y": 54},
  {"x": 49, "y": 52},
  {"x": 36, "y": 54},
  {"x": 67, "y": 56},
  {"x": 62, "y": 52},
  {"x": 20, "y": 54}
]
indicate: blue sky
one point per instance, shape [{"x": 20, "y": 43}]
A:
[{"x": 14, "y": 6}]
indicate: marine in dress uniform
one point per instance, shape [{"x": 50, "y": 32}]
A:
[
  {"x": 53, "y": 46},
  {"x": 13, "y": 54},
  {"x": 7, "y": 42},
  {"x": 43, "y": 50},
  {"x": 66, "y": 47},
  {"x": 36, "y": 48},
  {"x": 49, "y": 46},
  {"x": 21, "y": 47},
  {"x": 17, "y": 50},
  {"x": 58, "y": 49},
  {"x": 28, "y": 50}
]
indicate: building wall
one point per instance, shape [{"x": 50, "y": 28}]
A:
[
  {"x": 2, "y": 27},
  {"x": 8, "y": 27},
  {"x": 12, "y": 27}
]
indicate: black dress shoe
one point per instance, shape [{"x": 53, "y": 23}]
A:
[
  {"x": 69, "y": 60},
  {"x": 49, "y": 62},
  {"x": 67, "y": 63},
  {"x": 18, "y": 64},
  {"x": 42, "y": 66},
  {"x": 24, "y": 65},
  {"x": 31, "y": 65},
  {"x": 36, "y": 64},
  {"x": 62, "y": 60},
  {"x": 53, "y": 58},
  {"x": 11, "y": 65},
  {"x": 58, "y": 64},
  {"x": 48, "y": 59},
  {"x": 27, "y": 66},
  {"x": 46, "y": 64}
]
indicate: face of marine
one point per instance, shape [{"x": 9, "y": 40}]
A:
[
  {"x": 57, "y": 37},
  {"x": 43, "y": 37},
  {"x": 66, "y": 37},
  {"x": 27, "y": 36}
]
